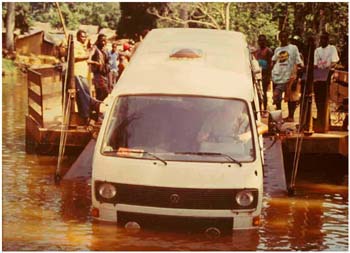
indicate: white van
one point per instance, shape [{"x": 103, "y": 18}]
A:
[{"x": 179, "y": 144}]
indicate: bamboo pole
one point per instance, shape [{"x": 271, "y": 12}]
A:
[
  {"x": 62, "y": 20},
  {"x": 68, "y": 106}
]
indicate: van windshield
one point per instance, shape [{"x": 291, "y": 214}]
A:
[{"x": 179, "y": 128}]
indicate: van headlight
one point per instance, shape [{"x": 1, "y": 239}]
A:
[
  {"x": 107, "y": 191},
  {"x": 244, "y": 198}
]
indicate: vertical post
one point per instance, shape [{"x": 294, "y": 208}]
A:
[
  {"x": 62, "y": 20},
  {"x": 309, "y": 86},
  {"x": 71, "y": 89},
  {"x": 325, "y": 117}
]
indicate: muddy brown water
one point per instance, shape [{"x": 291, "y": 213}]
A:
[{"x": 38, "y": 215}]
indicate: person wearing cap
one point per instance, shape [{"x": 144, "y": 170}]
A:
[
  {"x": 126, "y": 51},
  {"x": 263, "y": 55},
  {"x": 126, "y": 47}
]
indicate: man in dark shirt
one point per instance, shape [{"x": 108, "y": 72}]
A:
[
  {"x": 263, "y": 56},
  {"x": 100, "y": 68}
]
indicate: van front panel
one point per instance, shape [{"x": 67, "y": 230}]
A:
[{"x": 178, "y": 157}]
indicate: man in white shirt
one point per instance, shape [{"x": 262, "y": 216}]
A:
[
  {"x": 325, "y": 58},
  {"x": 284, "y": 60}
]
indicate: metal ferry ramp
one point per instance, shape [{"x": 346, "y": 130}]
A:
[{"x": 274, "y": 172}]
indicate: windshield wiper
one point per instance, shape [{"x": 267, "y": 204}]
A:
[
  {"x": 211, "y": 154},
  {"x": 154, "y": 156},
  {"x": 140, "y": 152}
]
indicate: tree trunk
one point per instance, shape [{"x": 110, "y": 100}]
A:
[
  {"x": 10, "y": 27},
  {"x": 183, "y": 12},
  {"x": 299, "y": 19},
  {"x": 227, "y": 16},
  {"x": 322, "y": 25}
]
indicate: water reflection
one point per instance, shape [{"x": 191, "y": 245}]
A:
[
  {"x": 76, "y": 201},
  {"x": 41, "y": 216},
  {"x": 111, "y": 237}
]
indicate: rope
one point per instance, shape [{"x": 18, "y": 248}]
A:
[{"x": 64, "y": 125}]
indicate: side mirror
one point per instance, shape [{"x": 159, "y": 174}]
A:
[{"x": 275, "y": 122}]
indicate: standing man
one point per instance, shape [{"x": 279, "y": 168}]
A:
[
  {"x": 283, "y": 62},
  {"x": 100, "y": 68},
  {"x": 81, "y": 69},
  {"x": 325, "y": 58},
  {"x": 263, "y": 56},
  {"x": 114, "y": 62}
]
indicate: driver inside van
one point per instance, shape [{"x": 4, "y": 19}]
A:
[{"x": 227, "y": 124}]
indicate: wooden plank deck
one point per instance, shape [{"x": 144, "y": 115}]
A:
[
  {"x": 45, "y": 115},
  {"x": 333, "y": 142}
]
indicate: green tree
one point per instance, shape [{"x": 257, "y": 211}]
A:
[
  {"x": 300, "y": 18},
  {"x": 105, "y": 15},
  {"x": 22, "y": 16},
  {"x": 93, "y": 13},
  {"x": 249, "y": 18},
  {"x": 200, "y": 14},
  {"x": 135, "y": 18}
]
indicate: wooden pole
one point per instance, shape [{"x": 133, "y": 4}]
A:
[
  {"x": 71, "y": 88},
  {"x": 62, "y": 20},
  {"x": 309, "y": 86},
  {"x": 68, "y": 106}
]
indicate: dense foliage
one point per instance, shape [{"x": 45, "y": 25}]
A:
[
  {"x": 91, "y": 13},
  {"x": 251, "y": 18},
  {"x": 135, "y": 18},
  {"x": 254, "y": 18}
]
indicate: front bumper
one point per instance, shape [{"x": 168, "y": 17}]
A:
[{"x": 189, "y": 219}]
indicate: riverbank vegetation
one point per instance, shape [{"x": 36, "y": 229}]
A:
[
  {"x": 8, "y": 66},
  {"x": 130, "y": 19}
]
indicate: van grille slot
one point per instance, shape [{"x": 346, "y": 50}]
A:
[{"x": 219, "y": 199}]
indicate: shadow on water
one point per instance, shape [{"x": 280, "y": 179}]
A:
[{"x": 319, "y": 168}]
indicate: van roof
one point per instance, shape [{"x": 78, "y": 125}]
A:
[{"x": 189, "y": 61}]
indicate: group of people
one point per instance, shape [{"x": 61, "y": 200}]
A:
[
  {"x": 285, "y": 67},
  {"x": 105, "y": 65}
]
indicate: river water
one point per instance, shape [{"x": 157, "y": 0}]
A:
[{"x": 38, "y": 215}]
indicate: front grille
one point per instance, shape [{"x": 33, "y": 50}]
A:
[
  {"x": 166, "y": 197},
  {"x": 198, "y": 224}
]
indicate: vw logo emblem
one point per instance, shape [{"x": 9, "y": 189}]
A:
[{"x": 174, "y": 198}]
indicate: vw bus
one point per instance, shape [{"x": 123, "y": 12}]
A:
[{"x": 180, "y": 142}]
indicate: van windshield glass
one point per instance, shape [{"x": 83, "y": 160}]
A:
[{"x": 179, "y": 128}]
